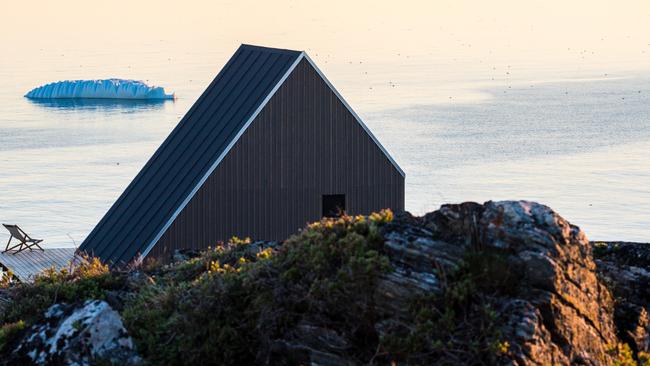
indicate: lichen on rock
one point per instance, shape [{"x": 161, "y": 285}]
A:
[{"x": 78, "y": 335}]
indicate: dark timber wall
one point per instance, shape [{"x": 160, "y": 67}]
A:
[{"x": 303, "y": 144}]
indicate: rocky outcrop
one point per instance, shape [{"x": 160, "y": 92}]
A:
[
  {"x": 507, "y": 282},
  {"x": 625, "y": 268},
  {"x": 561, "y": 312},
  {"x": 82, "y": 335}
]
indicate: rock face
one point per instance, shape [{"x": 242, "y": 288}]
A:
[
  {"x": 566, "y": 307},
  {"x": 625, "y": 268},
  {"x": 561, "y": 312},
  {"x": 563, "y": 315},
  {"x": 78, "y": 336}
]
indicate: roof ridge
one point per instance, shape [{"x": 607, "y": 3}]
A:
[{"x": 270, "y": 49}]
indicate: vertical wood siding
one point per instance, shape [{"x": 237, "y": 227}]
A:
[{"x": 302, "y": 145}]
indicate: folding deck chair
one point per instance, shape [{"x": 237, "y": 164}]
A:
[{"x": 26, "y": 242}]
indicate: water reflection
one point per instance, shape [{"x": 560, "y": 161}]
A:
[{"x": 100, "y": 105}]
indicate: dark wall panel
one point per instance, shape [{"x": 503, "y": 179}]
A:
[{"x": 303, "y": 144}]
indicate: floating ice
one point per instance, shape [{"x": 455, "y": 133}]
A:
[{"x": 99, "y": 89}]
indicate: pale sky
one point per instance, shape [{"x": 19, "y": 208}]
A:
[{"x": 554, "y": 30}]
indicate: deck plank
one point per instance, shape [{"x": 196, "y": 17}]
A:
[{"x": 25, "y": 265}]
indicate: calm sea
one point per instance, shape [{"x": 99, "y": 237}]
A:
[{"x": 462, "y": 129}]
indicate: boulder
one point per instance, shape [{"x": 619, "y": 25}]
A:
[{"x": 78, "y": 335}]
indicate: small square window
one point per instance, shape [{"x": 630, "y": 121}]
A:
[{"x": 333, "y": 205}]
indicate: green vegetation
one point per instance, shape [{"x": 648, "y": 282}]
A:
[
  {"x": 8, "y": 331},
  {"x": 624, "y": 356},
  {"x": 600, "y": 249},
  {"x": 227, "y": 306},
  {"x": 244, "y": 303},
  {"x": 89, "y": 280},
  {"x": 6, "y": 278}
]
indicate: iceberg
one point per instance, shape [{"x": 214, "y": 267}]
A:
[{"x": 99, "y": 89}]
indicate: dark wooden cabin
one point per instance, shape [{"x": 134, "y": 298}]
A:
[{"x": 269, "y": 146}]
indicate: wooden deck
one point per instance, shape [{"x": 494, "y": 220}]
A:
[{"x": 26, "y": 264}]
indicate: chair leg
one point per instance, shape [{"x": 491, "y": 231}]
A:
[
  {"x": 19, "y": 245},
  {"x": 7, "y": 248},
  {"x": 34, "y": 243},
  {"x": 23, "y": 246}
]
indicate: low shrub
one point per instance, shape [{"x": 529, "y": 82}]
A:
[
  {"x": 6, "y": 278},
  {"x": 230, "y": 304},
  {"x": 87, "y": 280},
  {"x": 8, "y": 332}
]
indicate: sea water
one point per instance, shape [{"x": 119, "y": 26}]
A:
[{"x": 576, "y": 139}]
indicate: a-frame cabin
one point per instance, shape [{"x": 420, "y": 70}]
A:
[{"x": 269, "y": 146}]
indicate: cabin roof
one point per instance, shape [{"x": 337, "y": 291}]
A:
[{"x": 195, "y": 147}]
